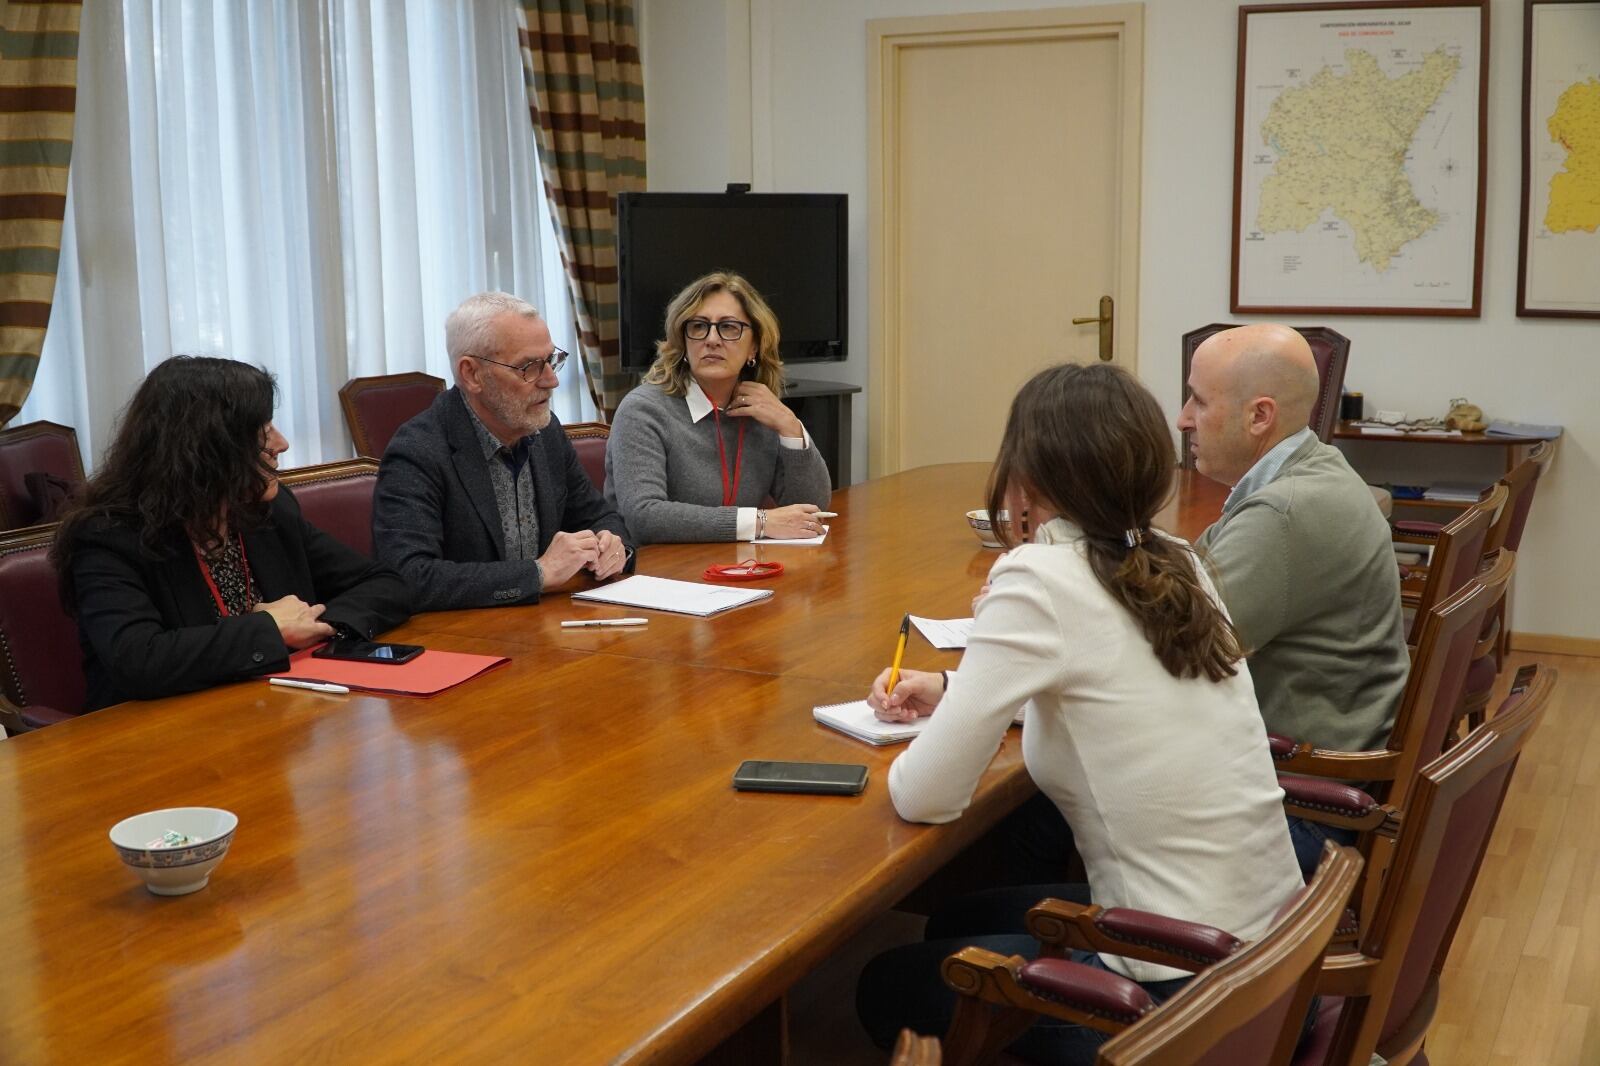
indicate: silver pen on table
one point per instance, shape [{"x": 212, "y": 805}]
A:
[
  {"x": 584, "y": 623},
  {"x": 313, "y": 686}
]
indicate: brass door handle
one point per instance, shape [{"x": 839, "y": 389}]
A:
[{"x": 1104, "y": 320}]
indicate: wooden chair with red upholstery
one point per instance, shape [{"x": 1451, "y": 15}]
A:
[
  {"x": 589, "y": 440},
  {"x": 1248, "y": 1004},
  {"x": 1458, "y": 553},
  {"x": 40, "y": 465},
  {"x": 1506, "y": 532},
  {"x": 337, "y": 498},
  {"x": 1319, "y": 785},
  {"x": 1382, "y": 997},
  {"x": 374, "y": 407},
  {"x": 1329, "y": 348},
  {"x": 41, "y": 665}
]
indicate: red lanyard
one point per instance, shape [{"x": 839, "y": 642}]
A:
[
  {"x": 211, "y": 583},
  {"x": 729, "y": 492},
  {"x": 745, "y": 570}
]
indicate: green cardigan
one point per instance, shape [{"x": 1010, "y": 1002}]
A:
[{"x": 1307, "y": 571}]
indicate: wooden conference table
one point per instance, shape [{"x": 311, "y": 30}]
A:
[{"x": 546, "y": 864}]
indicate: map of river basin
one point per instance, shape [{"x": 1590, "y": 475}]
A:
[
  {"x": 1341, "y": 141},
  {"x": 1575, "y": 191}
]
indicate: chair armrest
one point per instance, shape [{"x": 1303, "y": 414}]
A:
[
  {"x": 37, "y": 716},
  {"x": 1088, "y": 989},
  {"x": 1331, "y": 803},
  {"x": 1055, "y": 988},
  {"x": 1131, "y": 933},
  {"x": 1289, "y": 757}
]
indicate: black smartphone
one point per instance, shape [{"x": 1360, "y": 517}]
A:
[
  {"x": 367, "y": 651},
  {"x": 823, "y": 778}
]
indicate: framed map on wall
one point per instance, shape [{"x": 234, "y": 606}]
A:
[
  {"x": 1558, "y": 265},
  {"x": 1358, "y": 182}
]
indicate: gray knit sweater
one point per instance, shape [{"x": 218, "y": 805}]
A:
[
  {"x": 1308, "y": 574},
  {"x": 664, "y": 475}
]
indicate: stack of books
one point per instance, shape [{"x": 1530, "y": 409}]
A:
[
  {"x": 1500, "y": 427},
  {"x": 1454, "y": 492}
]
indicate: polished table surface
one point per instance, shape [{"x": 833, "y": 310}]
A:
[{"x": 546, "y": 864}]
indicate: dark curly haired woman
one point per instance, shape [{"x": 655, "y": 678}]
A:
[{"x": 185, "y": 562}]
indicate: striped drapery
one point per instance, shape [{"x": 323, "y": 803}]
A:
[
  {"x": 586, "y": 96},
  {"x": 38, "y": 94}
]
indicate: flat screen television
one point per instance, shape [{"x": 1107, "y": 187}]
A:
[{"x": 790, "y": 246}]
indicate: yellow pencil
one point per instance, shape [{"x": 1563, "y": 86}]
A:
[{"x": 899, "y": 653}]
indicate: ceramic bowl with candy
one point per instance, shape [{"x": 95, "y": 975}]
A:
[{"x": 173, "y": 851}]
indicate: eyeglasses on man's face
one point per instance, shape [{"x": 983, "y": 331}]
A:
[
  {"x": 533, "y": 369},
  {"x": 729, "y": 329}
]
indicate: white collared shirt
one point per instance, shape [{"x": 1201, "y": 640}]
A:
[
  {"x": 700, "y": 406},
  {"x": 1265, "y": 469}
]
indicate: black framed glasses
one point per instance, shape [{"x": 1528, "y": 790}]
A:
[
  {"x": 533, "y": 369},
  {"x": 729, "y": 329}
]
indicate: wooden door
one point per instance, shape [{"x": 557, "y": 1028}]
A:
[{"x": 1005, "y": 203}]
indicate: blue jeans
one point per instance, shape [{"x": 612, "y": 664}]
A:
[
  {"x": 902, "y": 987},
  {"x": 1308, "y": 837}
]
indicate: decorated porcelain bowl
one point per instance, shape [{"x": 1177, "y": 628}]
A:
[
  {"x": 173, "y": 851},
  {"x": 983, "y": 526}
]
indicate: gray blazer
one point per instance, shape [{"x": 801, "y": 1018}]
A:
[{"x": 435, "y": 520}]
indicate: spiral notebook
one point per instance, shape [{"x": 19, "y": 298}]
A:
[{"x": 857, "y": 720}]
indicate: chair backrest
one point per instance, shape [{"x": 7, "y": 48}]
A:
[
  {"x": 36, "y": 448},
  {"x": 1329, "y": 348},
  {"x": 337, "y": 498},
  {"x": 589, "y": 440},
  {"x": 1457, "y": 554},
  {"x": 1520, "y": 485},
  {"x": 1250, "y": 1006},
  {"x": 1428, "y": 707},
  {"x": 41, "y": 663},
  {"x": 1454, "y": 806},
  {"x": 375, "y": 407}
]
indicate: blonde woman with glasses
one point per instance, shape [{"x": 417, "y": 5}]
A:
[{"x": 698, "y": 451}]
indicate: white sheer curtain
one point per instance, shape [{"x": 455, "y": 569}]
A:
[{"x": 310, "y": 185}]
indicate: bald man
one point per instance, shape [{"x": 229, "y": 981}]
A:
[{"x": 1301, "y": 555}]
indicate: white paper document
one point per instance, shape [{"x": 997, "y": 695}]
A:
[
  {"x": 945, "y": 633},
  {"x": 802, "y": 542},
  {"x": 679, "y": 597}
]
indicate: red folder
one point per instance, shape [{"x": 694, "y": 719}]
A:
[{"x": 427, "y": 675}]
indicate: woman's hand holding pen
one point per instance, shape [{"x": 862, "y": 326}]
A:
[
  {"x": 915, "y": 695},
  {"x": 798, "y": 521}
]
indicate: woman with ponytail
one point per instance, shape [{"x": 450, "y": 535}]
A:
[{"x": 1141, "y": 724}]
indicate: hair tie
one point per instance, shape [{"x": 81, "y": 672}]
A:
[{"x": 1132, "y": 538}]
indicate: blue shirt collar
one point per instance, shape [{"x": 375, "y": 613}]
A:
[{"x": 1265, "y": 469}]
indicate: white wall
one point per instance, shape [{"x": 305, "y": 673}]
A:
[{"x": 784, "y": 104}]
